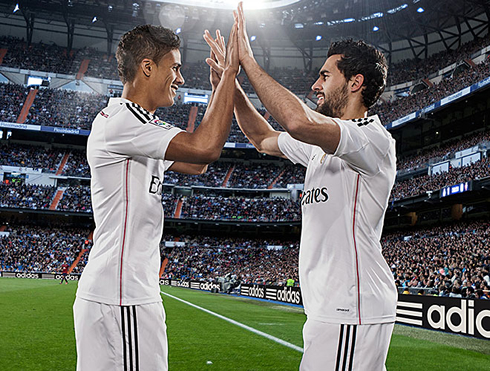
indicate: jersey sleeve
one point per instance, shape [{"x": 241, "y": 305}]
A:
[
  {"x": 298, "y": 152},
  {"x": 363, "y": 145},
  {"x": 132, "y": 136}
]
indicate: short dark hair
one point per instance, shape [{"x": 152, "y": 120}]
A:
[
  {"x": 145, "y": 41},
  {"x": 361, "y": 58}
]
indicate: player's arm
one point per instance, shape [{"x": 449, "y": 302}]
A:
[
  {"x": 187, "y": 168},
  {"x": 301, "y": 122},
  {"x": 204, "y": 145},
  {"x": 253, "y": 125}
]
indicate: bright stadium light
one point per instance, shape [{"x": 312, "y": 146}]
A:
[
  {"x": 420, "y": 10},
  {"x": 318, "y": 23},
  {"x": 299, "y": 25},
  {"x": 178, "y": 30},
  {"x": 348, "y": 20},
  {"x": 252, "y": 38},
  {"x": 318, "y": 37},
  {"x": 94, "y": 19},
  {"x": 16, "y": 8},
  {"x": 231, "y": 4},
  {"x": 375, "y": 28}
]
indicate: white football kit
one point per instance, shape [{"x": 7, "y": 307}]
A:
[
  {"x": 126, "y": 151},
  {"x": 344, "y": 278}
]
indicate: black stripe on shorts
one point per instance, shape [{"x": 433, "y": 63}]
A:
[{"x": 346, "y": 347}]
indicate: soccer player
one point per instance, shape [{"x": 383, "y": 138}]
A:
[
  {"x": 348, "y": 291},
  {"x": 64, "y": 273},
  {"x": 118, "y": 312}
]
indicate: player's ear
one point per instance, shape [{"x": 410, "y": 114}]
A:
[
  {"x": 146, "y": 67},
  {"x": 356, "y": 82}
]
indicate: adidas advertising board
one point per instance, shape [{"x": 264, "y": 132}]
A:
[
  {"x": 196, "y": 285},
  {"x": 458, "y": 316},
  {"x": 291, "y": 295},
  {"x": 36, "y": 276}
]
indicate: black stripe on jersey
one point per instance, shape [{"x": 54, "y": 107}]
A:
[
  {"x": 136, "y": 113},
  {"x": 365, "y": 122},
  {"x": 136, "y": 350},
  {"x": 123, "y": 326},
  {"x": 144, "y": 112}
]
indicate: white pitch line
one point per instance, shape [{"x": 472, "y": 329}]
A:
[{"x": 251, "y": 329}]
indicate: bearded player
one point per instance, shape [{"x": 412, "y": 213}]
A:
[{"x": 348, "y": 291}]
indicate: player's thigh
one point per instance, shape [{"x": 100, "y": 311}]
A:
[
  {"x": 345, "y": 347},
  {"x": 120, "y": 338}
]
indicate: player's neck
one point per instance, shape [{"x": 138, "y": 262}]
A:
[
  {"x": 138, "y": 96},
  {"x": 354, "y": 110}
]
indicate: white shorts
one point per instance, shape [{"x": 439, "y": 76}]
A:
[
  {"x": 337, "y": 347},
  {"x": 122, "y": 338}
]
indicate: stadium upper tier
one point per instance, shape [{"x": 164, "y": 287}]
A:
[{"x": 54, "y": 58}]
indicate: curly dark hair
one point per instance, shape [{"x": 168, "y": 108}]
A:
[
  {"x": 361, "y": 58},
  {"x": 145, "y": 41}
]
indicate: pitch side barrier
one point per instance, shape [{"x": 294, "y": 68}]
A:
[
  {"x": 469, "y": 317},
  {"x": 40, "y": 276}
]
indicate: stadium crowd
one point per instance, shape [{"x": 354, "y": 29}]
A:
[
  {"x": 391, "y": 111},
  {"x": 26, "y": 196},
  {"x": 209, "y": 258},
  {"x": 35, "y": 157},
  {"x": 42, "y": 250},
  {"x": 451, "y": 260},
  {"x": 240, "y": 209},
  {"x": 422, "y": 184}
]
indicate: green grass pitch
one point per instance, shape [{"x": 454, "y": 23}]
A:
[{"x": 36, "y": 333}]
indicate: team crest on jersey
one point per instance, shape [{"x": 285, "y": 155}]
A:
[
  {"x": 104, "y": 114},
  {"x": 161, "y": 123}
]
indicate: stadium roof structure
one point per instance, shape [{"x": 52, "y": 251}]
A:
[{"x": 412, "y": 26}]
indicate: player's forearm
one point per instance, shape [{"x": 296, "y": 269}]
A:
[
  {"x": 215, "y": 126},
  {"x": 287, "y": 109},
  {"x": 252, "y": 124}
]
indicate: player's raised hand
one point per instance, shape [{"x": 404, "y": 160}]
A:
[
  {"x": 245, "y": 50},
  {"x": 216, "y": 58},
  {"x": 232, "y": 57}
]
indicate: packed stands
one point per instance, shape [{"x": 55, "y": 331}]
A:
[
  {"x": 76, "y": 198},
  {"x": 209, "y": 258},
  {"x": 26, "y": 196},
  {"x": 35, "y": 157},
  {"x": 42, "y": 250},
  {"x": 390, "y": 111},
  {"x": 240, "y": 209},
  {"x": 444, "y": 259}
]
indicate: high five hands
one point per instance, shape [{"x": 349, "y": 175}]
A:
[{"x": 238, "y": 49}]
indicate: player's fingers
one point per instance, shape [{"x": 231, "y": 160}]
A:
[
  {"x": 212, "y": 44},
  {"x": 215, "y": 66}
]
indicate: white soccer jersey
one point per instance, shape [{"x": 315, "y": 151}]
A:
[
  {"x": 126, "y": 150},
  {"x": 343, "y": 275}
]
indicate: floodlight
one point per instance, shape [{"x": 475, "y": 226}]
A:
[
  {"x": 178, "y": 30},
  {"x": 252, "y": 38},
  {"x": 375, "y": 28},
  {"x": 420, "y": 10},
  {"x": 318, "y": 37},
  {"x": 16, "y": 8},
  {"x": 94, "y": 19}
]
